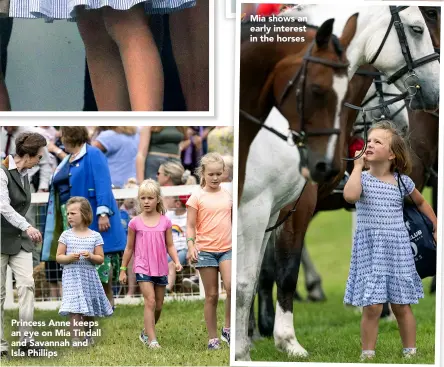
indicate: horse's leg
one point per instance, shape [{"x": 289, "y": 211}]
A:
[
  {"x": 287, "y": 268},
  {"x": 265, "y": 289},
  {"x": 250, "y": 252},
  {"x": 288, "y": 250},
  {"x": 312, "y": 278}
]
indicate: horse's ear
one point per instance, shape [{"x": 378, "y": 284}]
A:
[
  {"x": 324, "y": 33},
  {"x": 349, "y": 30}
]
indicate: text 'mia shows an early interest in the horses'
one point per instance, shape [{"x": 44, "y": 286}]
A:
[{"x": 338, "y": 115}]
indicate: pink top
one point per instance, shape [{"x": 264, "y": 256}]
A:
[{"x": 150, "y": 250}]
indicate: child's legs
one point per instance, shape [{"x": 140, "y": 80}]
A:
[
  {"x": 74, "y": 319},
  {"x": 406, "y": 323},
  {"x": 369, "y": 326},
  {"x": 209, "y": 276},
  {"x": 140, "y": 58},
  {"x": 160, "y": 295},
  {"x": 225, "y": 272},
  {"x": 149, "y": 297},
  {"x": 104, "y": 62}
]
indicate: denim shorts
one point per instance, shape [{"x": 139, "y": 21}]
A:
[
  {"x": 212, "y": 259},
  {"x": 182, "y": 254},
  {"x": 163, "y": 280}
]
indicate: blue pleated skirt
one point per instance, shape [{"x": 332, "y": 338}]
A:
[{"x": 66, "y": 9}]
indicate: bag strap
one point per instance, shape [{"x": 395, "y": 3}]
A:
[{"x": 419, "y": 211}]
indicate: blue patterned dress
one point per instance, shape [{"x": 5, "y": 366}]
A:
[
  {"x": 82, "y": 290},
  {"x": 66, "y": 9},
  {"x": 382, "y": 267}
]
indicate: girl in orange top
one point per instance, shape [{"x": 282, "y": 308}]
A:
[{"x": 209, "y": 240}]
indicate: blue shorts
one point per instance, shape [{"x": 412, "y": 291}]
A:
[
  {"x": 163, "y": 280},
  {"x": 182, "y": 257},
  {"x": 212, "y": 259}
]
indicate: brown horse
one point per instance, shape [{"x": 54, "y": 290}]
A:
[
  {"x": 423, "y": 129},
  {"x": 263, "y": 80}
]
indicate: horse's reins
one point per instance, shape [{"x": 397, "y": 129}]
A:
[{"x": 299, "y": 139}]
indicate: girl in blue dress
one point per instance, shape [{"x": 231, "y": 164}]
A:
[
  {"x": 382, "y": 265},
  {"x": 79, "y": 250},
  {"x": 123, "y": 60}
]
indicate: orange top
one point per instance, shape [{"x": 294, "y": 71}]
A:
[{"x": 213, "y": 222}]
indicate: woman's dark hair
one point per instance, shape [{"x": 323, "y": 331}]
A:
[
  {"x": 29, "y": 143},
  {"x": 74, "y": 135}
]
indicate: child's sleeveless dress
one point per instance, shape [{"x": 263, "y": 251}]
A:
[
  {"x": 66, "y": 9},
  {"x": 382, "y": 267},
  {"x": 82, "y": 290}
]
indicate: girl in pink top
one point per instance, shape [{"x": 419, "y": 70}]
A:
[
  {"x": 150, "y": 237},
  {"x": 209, "y": 240}
]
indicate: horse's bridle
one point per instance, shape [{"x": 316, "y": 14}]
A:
[
  {"x": 294, "y": 137},
  {"x": 411, "y": 81}
]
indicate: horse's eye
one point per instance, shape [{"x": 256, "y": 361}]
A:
[
  {"x": 432, "y": 14},
  {"x": 317, "y": 89},
  {"x": 417, "y": 29}
]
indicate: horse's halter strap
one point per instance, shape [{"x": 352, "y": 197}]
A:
[
  {"x": 295, "y": 137},
  {"x": 410, "y": 63}
]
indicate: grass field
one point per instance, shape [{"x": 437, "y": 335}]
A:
[
  {"x": 181, "y": 332},
  {"x": 330, "y": 332}
]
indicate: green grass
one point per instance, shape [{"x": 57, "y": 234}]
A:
[
  {"x": 330, "y": 332},
  {"x": 181, "y": 332}
]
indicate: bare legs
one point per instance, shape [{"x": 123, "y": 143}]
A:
[
  {"x": 125, "y": 67},
  {"x": 370, "y": 321},
  {"x": 369, "y": 326},
  {"x": 153, "y": 296},
  {"x": 225, "y": 272},
  {"x": 211, "y": 286},
  {"x": 189, "y": 40},
  {"x": 406, "y": 323}
]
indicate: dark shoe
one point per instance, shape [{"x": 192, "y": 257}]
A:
[
  {"x": 4, "y": 354},
  {"x": 225, "y": 336}
]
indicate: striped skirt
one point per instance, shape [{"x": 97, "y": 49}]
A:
[{"x": 66, "y": 9}]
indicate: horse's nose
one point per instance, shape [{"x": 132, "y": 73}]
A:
[{"x": 322, "y": 171}]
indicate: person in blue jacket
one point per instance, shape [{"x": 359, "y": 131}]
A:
[{"x": 84, "y": 172}]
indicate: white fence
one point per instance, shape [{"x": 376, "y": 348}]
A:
[{"x": 43, "y": 301}]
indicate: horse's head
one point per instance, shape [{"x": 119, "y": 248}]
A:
[
  {"x": 310, "y": 88},
  {"x": 400, "y": 45}
]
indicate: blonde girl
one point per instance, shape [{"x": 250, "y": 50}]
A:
[
  {"x": 150, "y": 238},
  {"x": 382, "y": 266},
  {"x": 209, "y": 240},
  {"x": 79, "y": 250}
]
